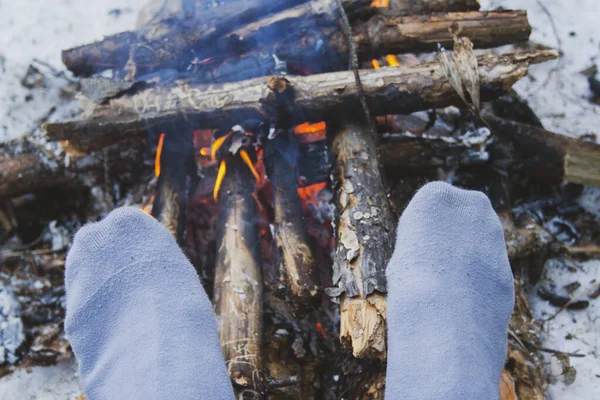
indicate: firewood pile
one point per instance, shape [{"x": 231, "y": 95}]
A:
[{"x": 279, "y": 142}]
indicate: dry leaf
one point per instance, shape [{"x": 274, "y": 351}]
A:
[
  {"x": 451, "y": 71},
  {"x": 461, "y": 70},
  {"x": 466, "y": 63}
]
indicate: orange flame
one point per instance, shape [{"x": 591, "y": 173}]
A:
[
  {"x": 220, "y": 176},
  {"x": 217, "y": 145},
  {"x": 310, "y": 128},
  {"x": 205, "y": 151},
  {"x": 308, "y": 194},
  {"x": 248, "y": 162},
  {"x": 376, "y": 64},
  {"x": 380, "y": 3},
  {"x": 392, "y": 60},
  {"x": 161, "y": 140}
]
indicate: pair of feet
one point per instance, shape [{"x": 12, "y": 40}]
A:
[{"x": 142, "y": 327}]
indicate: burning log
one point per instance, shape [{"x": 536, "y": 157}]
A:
[
  {"x": 206, "y": 33},
  {"x": 397, "y": 90},
  {"x": 294, "y": 255},
  {"x": 238, "y": 284},
  {"x": 174, "y": 167},
  {"x": 364, "y": 240}
]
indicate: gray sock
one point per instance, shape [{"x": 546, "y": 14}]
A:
[
  {"x": 450, "y": 298},
  {"x": 139, "y": 321}
]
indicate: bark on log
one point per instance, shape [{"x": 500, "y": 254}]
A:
[
  {"x": 396, "y": 90},
  {"x": 364, "y": 240},
  {"x": 294, "y": 255},
  {"x": 238, "y": 291}
]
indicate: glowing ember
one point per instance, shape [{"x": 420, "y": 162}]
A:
[
  {"x": 321, "y": 330},
  {"x": 392, "y": 60},
  {"x": 220, "y": 176},
  {"x": 161, "y": 141},
  {"x": 310, "y": 128},
  {"x": 205, "y": 151},
  {"x": 380, "y": 3},
  {"x": 376, "y": 64},
  {"x": 308, "y": 194}
]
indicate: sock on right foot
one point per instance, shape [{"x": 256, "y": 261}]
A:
[{"x": 450, "y": 298}]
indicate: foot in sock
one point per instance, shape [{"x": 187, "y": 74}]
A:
[
  {"x": 139, "y": 321},
  {"x": 450, "y": 298}
]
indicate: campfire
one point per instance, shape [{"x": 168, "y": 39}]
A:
[{"x": 279, "y": 141}]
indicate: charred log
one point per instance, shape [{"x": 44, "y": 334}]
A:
[
  {"x": 295, "y": 259},
  {"x": 238, "y": 291},
  {"x": 150, "y": 48},
  {"x": 364, "y": 240},
  {"x": 177, "y": 167},
  {"x": 397, "y": 90},
  {"x": 202, "y": 34}
]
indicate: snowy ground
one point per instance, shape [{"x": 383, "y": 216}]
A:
[{"x": 557, "y": 92}]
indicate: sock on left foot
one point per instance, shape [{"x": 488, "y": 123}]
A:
[{"x": 138, "y": 319}]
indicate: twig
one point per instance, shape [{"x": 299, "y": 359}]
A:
[
  {"x": 552, "y": 351},
  {"x": 353, "y": 63},
  {"x": 573, "y": 300},
  {"x": 558, "y": 42}
]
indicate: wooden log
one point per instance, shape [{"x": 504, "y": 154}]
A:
[
  {"x": 238, "y": 285},
  {"x": 550, "y": 156},
  {"x": 28, "y": 172},
  {"x": 110, "y": 53},
  {"x": 177, "y": 167},
  {"x": 410, "y": 7},
  {"x": 397, "y": 90},
  {"x": 383, "y": 35},
  {"x": 294, "y": 255},
  {"x": 151, "y": 49},
  {"x": 364, "y": 240},
  {"x": 187, "y": 30}
]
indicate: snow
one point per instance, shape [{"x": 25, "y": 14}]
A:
[
  {"x": 581, "y": 327},
  {"x": 59, "y": 382},
  {"x": 40, "y": 29},
  {"x": 557, "y": 91}
]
